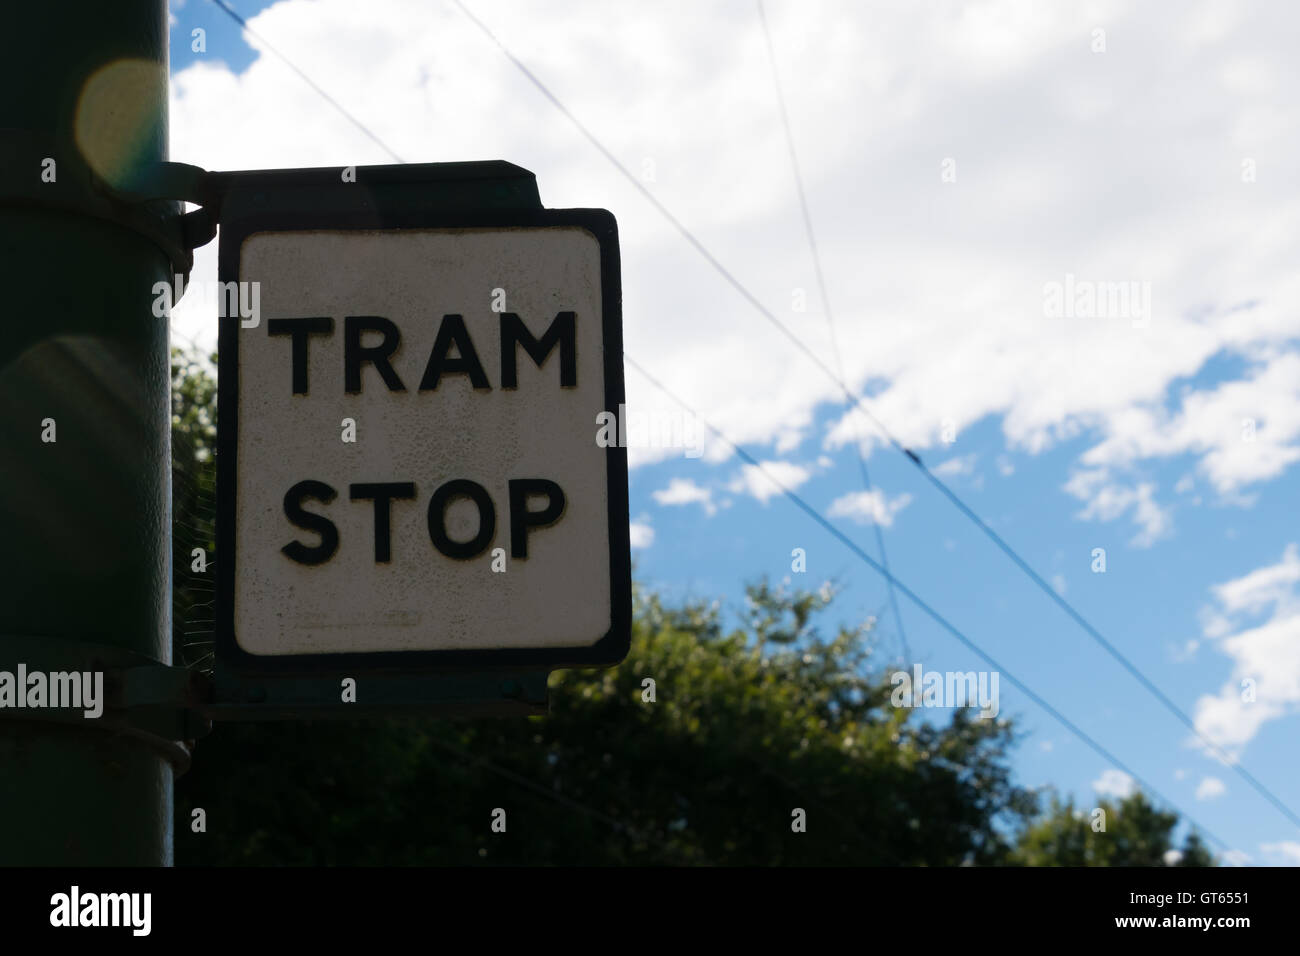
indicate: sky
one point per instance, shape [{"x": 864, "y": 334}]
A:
[{"x": 1058, "y": 245}]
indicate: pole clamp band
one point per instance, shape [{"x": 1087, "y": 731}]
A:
[
  {"x": 35, "y": 172},
  {"x": 163, "y": 706}
]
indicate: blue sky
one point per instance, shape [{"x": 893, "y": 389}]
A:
[{"x": 1162, "y": 158}]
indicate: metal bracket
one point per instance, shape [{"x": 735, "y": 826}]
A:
[
  {"x": 181, "y": 182},
  {"x": 142, "y": 698},
  {"x": 482, "y": 693},
  {"x": 169, "y": 708},
  {"x": 148, "y": 202}
]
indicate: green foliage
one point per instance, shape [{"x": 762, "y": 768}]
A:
[
  {"x": 1136, "y": 834},
  {"x": 194, "y": 407},
  {"x": 194, "y": 446},
  {"x": 708, "y": 773}
]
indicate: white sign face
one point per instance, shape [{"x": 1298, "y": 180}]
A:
[{"x": 416, "y": 464}]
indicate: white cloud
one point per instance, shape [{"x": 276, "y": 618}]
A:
[
  {"x": 1114, "y": 783},
  {"x": 961, "y": 465},
  {"x": 1288, "y": 850},
  {"x": 1270, "y": 585},
  {"x": 1108, "y": 500},
  {"x": 1173, "y": 857},
  {"x": 683, "y": 491},
  {"x": 1209, "y": 788},
  {"x": 1256, "y": 623},
  {"x": 1236, "y": 858},
  {"x": 788, "y": 440},
  {"x": 642, "y": 535},
  {"x": 1244, "y": 431},
  {"x": 765, "y": 480},
  {"x": 864, "y": 506},
  {"x": 924, "y": 299}
]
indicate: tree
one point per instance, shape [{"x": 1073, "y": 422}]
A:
[
  {"x": 1135, "y": 834},
  {"x": 713, "y": 770}
]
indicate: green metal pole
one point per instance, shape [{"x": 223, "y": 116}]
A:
[{"x": 85, "y": 519}]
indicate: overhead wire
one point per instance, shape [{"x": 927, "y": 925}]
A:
[
  {"x": 921, "y": 603},
  {"x": 852, "y": 398},
  {"x": 830, "y": 315},
  {"x": 1042, "y": 584}
]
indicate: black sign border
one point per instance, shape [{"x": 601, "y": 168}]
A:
[{"x": 610, "y": 649}]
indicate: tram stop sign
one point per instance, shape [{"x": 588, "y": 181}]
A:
[{"x": 409, "y": 473}]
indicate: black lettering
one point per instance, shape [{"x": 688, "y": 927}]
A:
[
  {"x": 487, "y": 519},
  {"x": 308, "y": 521},
  {"x": 521, "y": 519},
  {"x": 451, "y": 332},
  {"x": 300, "y": 329},
  {"x": 382, "y": 494},
  {"x": 354, "y": 354},
  {"x": 562, "y": 331}
]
